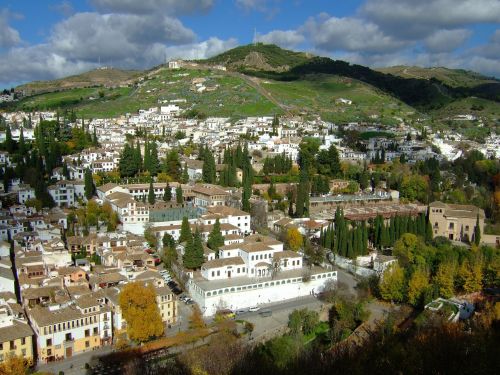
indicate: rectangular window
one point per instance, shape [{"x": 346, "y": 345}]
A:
[
  {"x": 96, "y": 331},
  {"x": 87, "y": 332},
  {"x": 87, "y": 344},
  {"x": 23, "y": 341},
  {"x": 49, "y": 342}
]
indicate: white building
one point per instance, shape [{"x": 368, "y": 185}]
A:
[{"x": 255, "y": 271}]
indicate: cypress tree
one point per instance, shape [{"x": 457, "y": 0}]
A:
[
  {"x": 22, "y": 144},
  {"x": 127, "y": 164},
  {"x": 10, "y": 145},
  {"x": 392, "y": 232},
  {"x": 365, "y": 237},
  {"x": 151, "y": 193},
  {"x": 185, "y": 175},
  {"x": 89, "y": 184},
  {"x": 167, "y": 196},
  {"x": 154, "y": 162},
  {"x": 189, "y": 258},
  {"x": 215, "y": 238},
  {"x": 428, "y": 229},
  {"x": 137, "y": 158},
  {"x": 178, "y": 195},
  {"x": 199, "y": 256},
  {"x": 477, "y": 232},
  {"x": 290, "y": 203},
  {"x": 209, "y": 169},
  {"x": 146, "y": 164},
  {"x": 185, "y": 233}
]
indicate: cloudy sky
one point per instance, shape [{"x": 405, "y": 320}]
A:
[{"x": 55, "y": 38}]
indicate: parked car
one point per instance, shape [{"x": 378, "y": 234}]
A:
[
  {"x": 254, "y": 308},
  {"x": 176, "y": 290},
  {"x": 172, "y": 284},
  {"x": 241, "y": 311}
]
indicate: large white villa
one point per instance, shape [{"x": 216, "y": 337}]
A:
[{"x": 254, "y": 271}]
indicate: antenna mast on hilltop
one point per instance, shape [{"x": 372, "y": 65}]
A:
[{"x": 254, "y": 36}]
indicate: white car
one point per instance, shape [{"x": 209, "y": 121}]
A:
[{"x": 254, "y": 308}]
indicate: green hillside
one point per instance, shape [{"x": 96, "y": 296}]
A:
[
  {"x": 274, "y": 80},
  {"x": 450, "y": 77}
]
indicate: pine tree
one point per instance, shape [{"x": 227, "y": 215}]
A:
[
  {"x": 178, "y": 195},
  {"x": 167, "y": 196},
  {"x": 215, "y": 238},
  {"x": 89, "y": 184},
  {"x": 185, "y": 233},
  {"x": 151, "y": 193}
]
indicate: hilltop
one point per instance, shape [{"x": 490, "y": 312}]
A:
[
  {"x": 106, "y": 77},
  {"x": 260, "y": 57}
]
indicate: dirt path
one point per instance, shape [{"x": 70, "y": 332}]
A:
[{"x": 254, "y": 82}]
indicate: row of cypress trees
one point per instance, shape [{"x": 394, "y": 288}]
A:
[{"x": 350, "y": 238}]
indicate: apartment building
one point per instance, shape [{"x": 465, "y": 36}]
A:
[
  {"x": 455, "y": 221},
  {"x": 16, "y": 336},
  {"x": 63, "y": 330}
]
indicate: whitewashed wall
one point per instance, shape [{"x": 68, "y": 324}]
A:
[{"x": 262, "y": 295}]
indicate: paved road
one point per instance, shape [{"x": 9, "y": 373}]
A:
[
  {"x": 74, "y": 365},
  {"x": 267, "y": 327}
]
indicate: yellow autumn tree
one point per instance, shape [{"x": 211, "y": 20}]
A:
[
  {"x": 14, "y": 365},
  {"x": 470, "y": 276},
  {"x": 418, "y": 284},
  {"x": 140, "y": 311},
  {"x": 444, "y": 279},
  {"x": 294, "y": 239},
  {"x": 392, "y": 283}
]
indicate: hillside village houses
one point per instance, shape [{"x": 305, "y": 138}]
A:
[{"x": 70, "y": 282}]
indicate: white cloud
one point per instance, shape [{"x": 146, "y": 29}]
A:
[
  {"x": 172, "y": 7},
  {"x": 285, "y": 39},
  {"x": 64, "y": 7},
  {"x": 416, "y": 19},
  {"x": 115, "y": 37},
  {"x": 8, "y": 36},
  {"x": 350, "y": 34},
  {"x": 249, "y": 5},
  {"x": 446, "y": 40},
  {"x": 202, "y": 50},
  {"x": 38, "y": 62}
]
